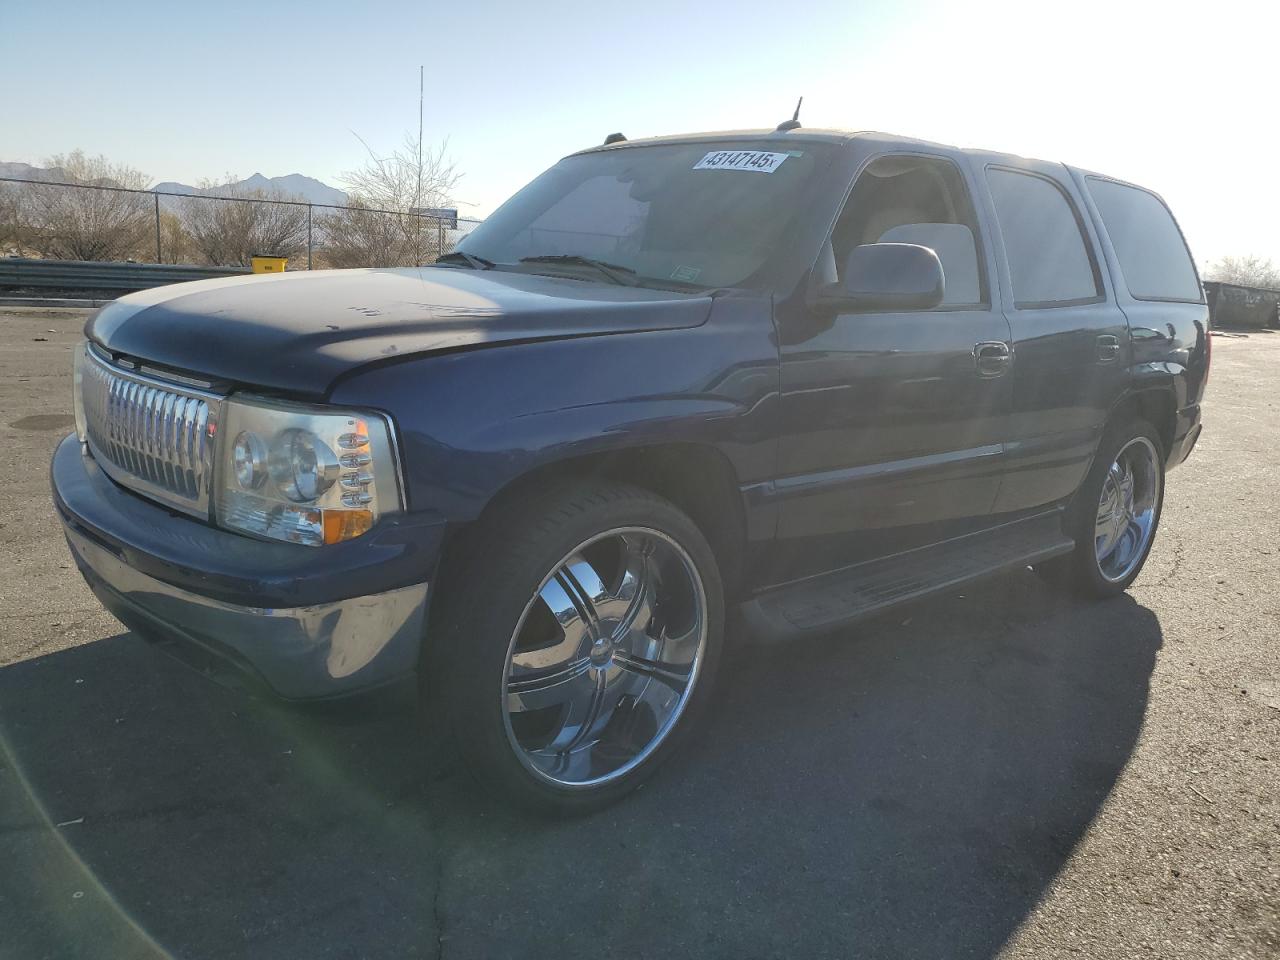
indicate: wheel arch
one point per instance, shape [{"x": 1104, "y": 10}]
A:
[
  {"x": 1155, "y": 404},
  {"x": 697, "y": 478}
]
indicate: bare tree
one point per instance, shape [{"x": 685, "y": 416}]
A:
[
  {"x": 13, "y": 227},
  {"x": 1248, "y": 271},
  {"x": 72, "y": 223},
  {"x": 411, "y": 177},
  {"x": 358, "y": 236},
  {"x": 404, "y": 184},
  {"x": 229, "y": 232},
  {"x": 176, "y": 244}
]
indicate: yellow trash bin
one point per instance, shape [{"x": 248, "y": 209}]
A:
[{"x": 264, "y": 264}]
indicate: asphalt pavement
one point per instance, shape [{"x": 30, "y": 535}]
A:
[{"x": 999, "y": 772}]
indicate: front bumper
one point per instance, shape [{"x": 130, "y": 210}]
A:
[{"x": 304, "y": 620}]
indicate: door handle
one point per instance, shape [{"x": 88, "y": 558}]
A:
[
  {"x": 991, "y": 358},
  {"x": 1108, "y": 348}
]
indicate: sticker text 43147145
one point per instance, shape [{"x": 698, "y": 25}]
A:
[{"x": 758, "y": 161}]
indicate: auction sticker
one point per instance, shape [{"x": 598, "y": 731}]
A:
[{"x": 756, "y": 160}]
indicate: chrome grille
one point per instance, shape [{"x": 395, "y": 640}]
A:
[{"x": 150, "y": 435}]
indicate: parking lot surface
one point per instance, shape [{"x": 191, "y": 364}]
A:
[{"x": 1000, "y": 772}]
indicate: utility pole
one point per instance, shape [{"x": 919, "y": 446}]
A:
[{"x": 417, "y": 200}]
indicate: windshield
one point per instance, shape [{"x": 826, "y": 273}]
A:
[{"x": 706, "y": 215}]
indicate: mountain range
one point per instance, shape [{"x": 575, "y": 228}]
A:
[
  {"x": 292, "y": 186},
  {"x": 25, "y": 171}
]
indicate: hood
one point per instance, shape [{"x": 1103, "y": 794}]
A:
[{"x": 299, "y": 332}]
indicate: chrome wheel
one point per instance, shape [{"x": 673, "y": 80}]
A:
[
  {"x": 605, "y": 657},
  {"x": 1126, "y": 518}
]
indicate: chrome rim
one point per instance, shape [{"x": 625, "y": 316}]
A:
[
  {"x": 605, "y": 657},
  {"x": 1127, "y": 510}
]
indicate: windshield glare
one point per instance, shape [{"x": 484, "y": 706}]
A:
[{"x": 702, "y": 214}]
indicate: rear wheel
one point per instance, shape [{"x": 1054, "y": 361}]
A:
[
  {"x": 582, "y": 646},
  {"x": 1115, "y": 514}
]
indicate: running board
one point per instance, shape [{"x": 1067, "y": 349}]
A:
[{"x": 834, "y": 599}]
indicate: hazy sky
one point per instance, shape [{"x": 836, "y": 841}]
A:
[{"x": 1179, "y": 97}]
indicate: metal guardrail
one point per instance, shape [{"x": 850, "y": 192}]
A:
[{"x": 21, "y": 273}]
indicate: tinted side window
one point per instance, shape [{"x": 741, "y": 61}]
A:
[
  {"x": 1152, "y": 254},
  {"x": 1048, "y": 260},
  {"x": 920, "y": 200}
]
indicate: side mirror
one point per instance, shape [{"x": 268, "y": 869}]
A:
[{"x": 885, "y": 276}]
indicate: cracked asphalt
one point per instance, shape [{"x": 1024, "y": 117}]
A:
[{"x": 999, "y": 772}]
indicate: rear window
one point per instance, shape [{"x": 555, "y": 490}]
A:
[
  {"x": 1153, "y": 256},
  {"x": 1049, "y": 264}
]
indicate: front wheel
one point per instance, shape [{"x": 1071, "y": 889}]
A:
[
  {"x": 582, "y": 645},
  {"x": 1115, "y": 514}
]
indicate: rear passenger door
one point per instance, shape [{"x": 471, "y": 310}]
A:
[{"x": 1070, "y": 340}]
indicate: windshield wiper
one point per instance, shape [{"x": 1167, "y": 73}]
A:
[
  {"x": 613, "y": 271},
  {"x": 466, "y": 259}
]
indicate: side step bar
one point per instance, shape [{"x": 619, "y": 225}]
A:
[{"x": 834, "y": 599}]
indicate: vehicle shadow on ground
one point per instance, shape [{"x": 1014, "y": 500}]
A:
[{"x": 910, "y": 788}]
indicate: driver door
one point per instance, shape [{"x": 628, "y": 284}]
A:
[{"x": 893, "y": 423}]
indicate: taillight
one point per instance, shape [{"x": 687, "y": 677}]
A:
[{"x": 1208, "y": 355}]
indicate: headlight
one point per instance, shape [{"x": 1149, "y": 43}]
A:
[{"x": 308, "y": 475}]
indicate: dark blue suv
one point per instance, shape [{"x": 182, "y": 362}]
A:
[{"x": 803, "y": 374}]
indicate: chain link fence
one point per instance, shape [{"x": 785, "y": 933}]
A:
[{"x": 99, "y": 222}]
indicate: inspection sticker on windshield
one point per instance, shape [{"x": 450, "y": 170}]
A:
[{"x": 756, "y": 160}]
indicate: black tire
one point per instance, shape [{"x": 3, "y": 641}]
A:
[
  {"x": 518, "y": 547},
  {"x": 1080, "y": 570}
]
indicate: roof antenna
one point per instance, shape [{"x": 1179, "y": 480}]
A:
[
  {"x": 793, "y": 123},
  {"x": 614, "y": 138}
]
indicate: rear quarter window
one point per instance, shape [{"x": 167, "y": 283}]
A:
[{"x": 1153, "y": 256}]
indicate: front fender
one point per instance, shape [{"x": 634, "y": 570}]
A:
[{"x": 472, "y": 422}]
